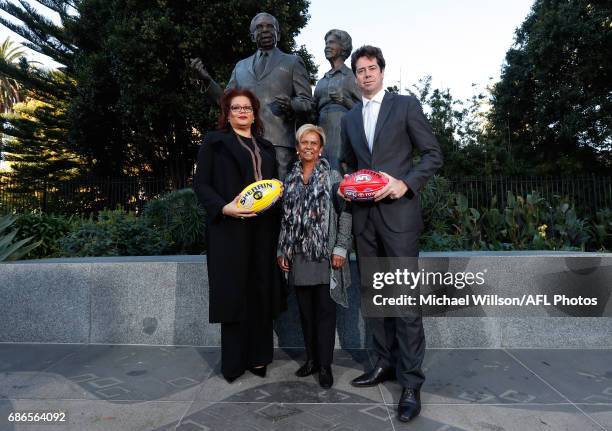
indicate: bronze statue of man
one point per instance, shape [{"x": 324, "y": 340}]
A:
[{"x": 280, "y": 82}]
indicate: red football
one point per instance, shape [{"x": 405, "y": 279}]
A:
[{"x": 362, "y": 185}]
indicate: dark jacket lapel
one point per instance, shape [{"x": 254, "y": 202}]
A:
[{"x": 231, "y": 143}]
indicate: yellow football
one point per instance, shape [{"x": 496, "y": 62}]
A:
[{"x": 260, "y": 195}]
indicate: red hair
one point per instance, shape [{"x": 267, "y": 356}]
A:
[{"x": 226, "y": 100}]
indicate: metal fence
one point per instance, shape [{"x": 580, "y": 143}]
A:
[
  {"x": 85, "y": 196},
  {"x": 588, "y": 193}
]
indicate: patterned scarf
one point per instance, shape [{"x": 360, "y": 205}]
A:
[{"x": 304, "y": 223}]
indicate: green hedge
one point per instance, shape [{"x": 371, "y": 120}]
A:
[
  {"x": 174, "y": 224},
  {"x": 526, "y": 223},
  {"x": 180, "y": 220},
  {"x": 11, "y": 247},
  {"x": 46, "y": 228},
  {"x": 113, "y": 233}
]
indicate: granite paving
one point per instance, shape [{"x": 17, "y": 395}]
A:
[{"x": 162, "y": 388}]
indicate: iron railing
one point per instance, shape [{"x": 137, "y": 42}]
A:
[{"x": 89, "y": 195}]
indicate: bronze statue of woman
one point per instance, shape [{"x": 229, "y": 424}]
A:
[{"x": 335, "y": 93}]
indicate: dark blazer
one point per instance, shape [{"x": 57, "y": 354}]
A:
[
  {"x": 400, "y": 127},
  {"x": 236, "y": 247},
  {"x": 285, "y": 74}
]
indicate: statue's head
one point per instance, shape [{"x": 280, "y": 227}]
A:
[
  {"x": 265, "y": 31},
  {"x": 338, "y": 43}
]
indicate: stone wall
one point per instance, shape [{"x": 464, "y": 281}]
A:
[{"x": 164, "y": 301}]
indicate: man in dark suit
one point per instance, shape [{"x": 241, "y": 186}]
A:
[
  {"x": 380, "y": 133},
  {"x": 280, "y": 82}
]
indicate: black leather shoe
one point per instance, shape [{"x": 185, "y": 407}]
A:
[
  {"x": 326, "y": 379},
  {"x": 409, "y": 405},
  {"x": 373, "y": 377},
  {"x": 307, "y": 369},
  {"x": 260, "y": 371},
  {"x": 230, "y": 379}
]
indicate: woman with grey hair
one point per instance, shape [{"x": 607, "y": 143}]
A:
[
  {"x": 313, "y": 247},
  {"x": 335, "y": 93}
]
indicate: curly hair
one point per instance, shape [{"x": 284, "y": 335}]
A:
[
  {"x": 370, "y": 52},
  {"x": 257, "y": 127}
]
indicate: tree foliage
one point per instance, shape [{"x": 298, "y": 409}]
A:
[
  {"x": 37, "y": 145},
  {"x": 125, "y": 98},
  {"x": 552, "y": 106},
  {"x": 459, "y": 126},
  {"x": 10, "y": 90}
]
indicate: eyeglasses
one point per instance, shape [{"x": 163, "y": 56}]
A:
[{"x": 236, "y": 108}]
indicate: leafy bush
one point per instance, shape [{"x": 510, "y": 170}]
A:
[
  {"x": 436, "y": 200},
  {"x": 526, "y": 223},
  {"x": 9, "y": 248},
  {"x": 114, "y": 233},
  {"x": 602, "y": 230},
  {"x": 179, "y": 219},
  {"x": 46, "y": 228},
  {"x": 175, "y": 224}
]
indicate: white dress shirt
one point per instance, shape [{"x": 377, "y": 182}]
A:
[{"x": 370, "y": 110}]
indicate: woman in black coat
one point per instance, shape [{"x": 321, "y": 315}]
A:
[{"x": 246, "y": 291}]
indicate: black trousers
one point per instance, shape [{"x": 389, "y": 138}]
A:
[
  {"x": 249, "y": 343},
  {"x": 318, "y": 317},
  {"x": 399, "y": 342}
]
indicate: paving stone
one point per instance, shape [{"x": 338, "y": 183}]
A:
[
  {"x": 92, "y": 415},
  {"x": 33, "y": 357},
  {"x": 601, "y": 413},
  {"x": 132, "y": 373},
  {"x": 583, "y": 376},
  {"x": 498, "y": 418},
  {"x": 285, "y": 417},
  {"x": 281, "y": 385},
  {"x": 476, "y": 376}
]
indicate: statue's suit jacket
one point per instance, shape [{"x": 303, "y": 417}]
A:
[
  {"x": 400, "y": 127},
  {"x": 285, "y": 74}
]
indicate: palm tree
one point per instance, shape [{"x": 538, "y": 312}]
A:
[{"x": 10, "y": 90}]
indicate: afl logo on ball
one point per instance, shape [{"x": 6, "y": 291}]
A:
[
  {"x": 362, "y": 178},
  {"x": 257, "y": 195},
  {"x": 363, "y": 185}
]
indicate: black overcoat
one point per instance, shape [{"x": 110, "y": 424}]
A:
[{"x": 241, "y": 254}]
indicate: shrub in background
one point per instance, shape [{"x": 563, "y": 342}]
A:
[
  {"x": 174, "y": 224},
  {"x": 178, "y": 217},
  {"x": 526, "y": 223},
  {"x": 602, "y": 230},
  {"x": 46, "y": 228},
  {"x": 10, "y": 248},
  {"x": 114, "y": 233},
  {"x": 437, "y": 201}
]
